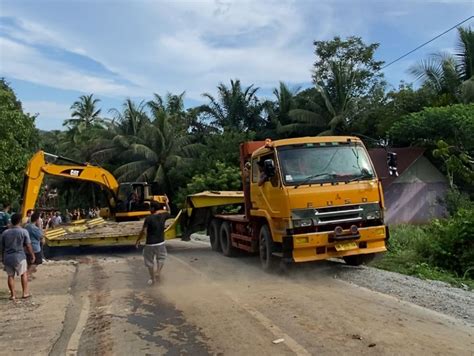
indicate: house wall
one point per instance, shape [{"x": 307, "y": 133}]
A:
[
  {"x": 415, "y": 202},
  {"x": 416, "y": 196}
]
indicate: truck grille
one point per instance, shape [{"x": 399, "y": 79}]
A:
[{"x": 337, "y": 215}]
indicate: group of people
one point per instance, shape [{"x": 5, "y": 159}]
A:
[
  {"x": 47, "y": 220},
  {"x": 21, "y": 245},
  {"x": 22, "y": 240},
  {"x": 78, "y": 214}
]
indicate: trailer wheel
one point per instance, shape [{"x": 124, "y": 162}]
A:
[
  {"x": 357, "y": 260},
  {"x": 48, "y": 252},
  {"x": 268, "y": 261},
  {"x": 214, "y": 228},
  {"x": 225, "y": 240}
]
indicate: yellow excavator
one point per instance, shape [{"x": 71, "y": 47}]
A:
[{"x": 126, "y": 201}]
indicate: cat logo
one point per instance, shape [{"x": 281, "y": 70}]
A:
[{"x": 72, "y": 172}]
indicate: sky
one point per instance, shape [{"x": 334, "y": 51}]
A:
[{"x": 53, "y": 51}]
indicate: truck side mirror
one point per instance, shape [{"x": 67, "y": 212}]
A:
[
  {"x": 392, "y": 163},
  {"x": 269, "y": 167}
]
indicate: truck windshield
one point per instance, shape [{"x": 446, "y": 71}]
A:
[{"x": 317, "y": 164}]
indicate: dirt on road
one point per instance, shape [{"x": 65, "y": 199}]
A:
[{"x": 210, "y": 304}]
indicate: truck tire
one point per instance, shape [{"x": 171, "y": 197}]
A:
[
  {"x": 225, "y": 240},
  {"x": 214, "y": 233},
  {"x": 268, "y": 261},
  {"x": 357, "y": 260}
]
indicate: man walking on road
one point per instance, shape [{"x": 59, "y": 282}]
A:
[
  {"x": 12, "y": 249},
  {"x": 154, "y": 226}
]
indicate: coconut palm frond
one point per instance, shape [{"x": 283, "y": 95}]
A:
[
  {"x": 306, "y": 116},
  {"x": 131, "y": 170},
  {"x": 465, "y": 53},
  {"x": 144, "y": 151}
]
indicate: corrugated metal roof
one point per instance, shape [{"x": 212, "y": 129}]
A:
[{"x": 406, "y": 156}]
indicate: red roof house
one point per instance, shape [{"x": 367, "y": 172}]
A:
[{"x": 416, "y": 195}]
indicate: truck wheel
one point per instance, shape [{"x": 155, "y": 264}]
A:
[
  {"x": 225, "y": 240},
  {"x": 268, "y": 261},
  {"x": 214, "y": 235},
  {"x": 357, "y": 260}
]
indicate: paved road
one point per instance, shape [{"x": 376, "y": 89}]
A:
[
  {"x": 210, "y": 304},
  {"x": 207, "y": 304}
]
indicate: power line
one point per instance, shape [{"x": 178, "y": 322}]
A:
[{"x": 424, "y": 44}]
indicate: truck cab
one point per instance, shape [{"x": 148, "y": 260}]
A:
[{"x": 320, "y": 197}]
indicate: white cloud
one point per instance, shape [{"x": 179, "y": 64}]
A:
[
  {"x": 50, "y": 114},
  {"x": 34, "y": 33},
  {"x": 193, "y": 45},
  {"x": 180, "y": 46},
  {"x": 26, "y": 63}
]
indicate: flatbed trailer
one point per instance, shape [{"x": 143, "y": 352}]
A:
[{"x": 100, "y": 232}]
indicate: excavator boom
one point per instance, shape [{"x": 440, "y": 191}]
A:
[{"x": 37, "y": 167}]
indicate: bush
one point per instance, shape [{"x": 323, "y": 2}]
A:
[
  {"x": 220, "y": 177},
  {"x": 449, "y": 243},
  {"x": 456, "y": 200},
  {"x": 454, "y": 124}
]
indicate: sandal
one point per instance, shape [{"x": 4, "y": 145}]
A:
[{"x": 26, "y": 296}]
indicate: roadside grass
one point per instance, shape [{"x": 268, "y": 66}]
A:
[{"x": 403, "y": 257}]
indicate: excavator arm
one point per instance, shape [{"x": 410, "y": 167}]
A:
[{"x": 37, "y": 168}]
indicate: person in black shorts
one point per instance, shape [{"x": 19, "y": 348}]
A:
[
  {"x": 154, "y": 249},
  {"x": 37, "y": 241}
]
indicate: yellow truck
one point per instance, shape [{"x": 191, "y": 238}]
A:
[{"x": 304, "y": 199}]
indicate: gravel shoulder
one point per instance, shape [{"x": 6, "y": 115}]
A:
[{"x": 435, "y": 295}]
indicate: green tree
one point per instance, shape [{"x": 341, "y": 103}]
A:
[
  {"x": 449, "y": 131},
  {"x": 18, "y": 140},
  {"x": 288, "y": 116},
  {"x": 345, "y": 74},
  {"x": 453, "y": 124},
  {"x": 158, "y": 153},
  {"x": 235, "y": 108},
  {"x": 450, "y": 75},
  {"x": 85, "y": 113},
  {"x": 382, "y": 109},
  {"x": 120, "y": 133},
  {"x": 220, "y": 176}
]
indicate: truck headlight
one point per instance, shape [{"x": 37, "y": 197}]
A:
[
  {"x": 302, "y": 223},
  {"x": 372, "y": 211}
]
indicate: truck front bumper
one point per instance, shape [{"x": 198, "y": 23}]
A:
[{"x": 319, "y": 246}]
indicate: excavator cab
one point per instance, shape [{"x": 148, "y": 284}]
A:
[{"x": 134, "y": 200}]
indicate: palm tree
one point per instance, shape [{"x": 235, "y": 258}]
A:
[
  {"x": 85, "y": 113},
  {"x": 158, "y": 150},
  {"x": 465, "y": 53},
  {"x": 148, "y": 145},
  {"x": 171, "y": 106},
  {"x": 449, "y": 75},
  {"x": 235, "y": 108},
  {"x": 338, "y": 95},
  {"x": 287, "y": 118},
  {"x": 121, "y": 132}
]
